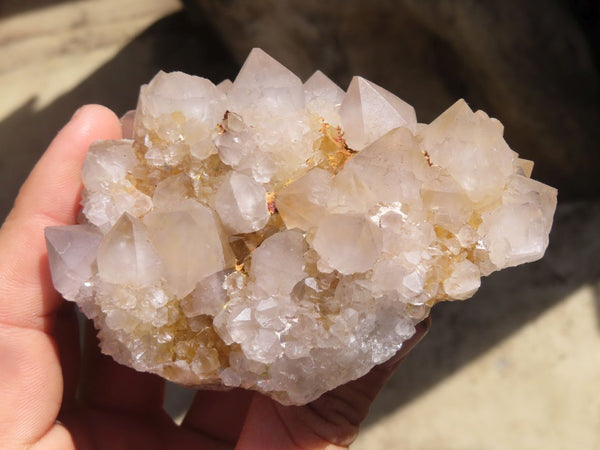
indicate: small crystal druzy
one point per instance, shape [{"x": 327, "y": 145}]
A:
[{"x": 287, "y": 237}]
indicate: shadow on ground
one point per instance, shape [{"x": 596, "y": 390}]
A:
[{"x": 460, "y": 332}]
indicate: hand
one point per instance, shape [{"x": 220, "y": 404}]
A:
[{"x": 50, "y": 398}]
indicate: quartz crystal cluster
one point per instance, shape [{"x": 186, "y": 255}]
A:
[{"x": 285, "y": 236}]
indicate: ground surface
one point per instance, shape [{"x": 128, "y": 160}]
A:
[{"x": 516, "y": 367}]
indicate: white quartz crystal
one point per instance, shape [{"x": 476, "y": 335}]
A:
[
  {"x": 369, "y": 111},
  {"x": 241, "y": 203},
  {"x": 72, "y": 252},
  {"x": 285, "y": 236}
]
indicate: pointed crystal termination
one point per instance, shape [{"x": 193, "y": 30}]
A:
[
  {"x": 286, "y": 237},
  {"x": 303, "y": 203},
  {"x": 324, "y": 98},
  {"x": 348, "y": 243},
  {"x": 126, "y": 255},
  {"x": 266, "y": 82},
  {"x": 189, "y": 245},
  {"x": 369, "y": 111},
  {"x": 174, "y": 105},
  {"x": 242, "y": 204},
  {"x": 487, "y": 153},
  {"x": 71, "y": 253},
  {"x": 278, "y": 263}
]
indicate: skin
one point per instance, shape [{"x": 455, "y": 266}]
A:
[{"x": 52, "y": 397}]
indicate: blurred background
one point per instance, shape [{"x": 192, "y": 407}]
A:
[{"x": 517, "y": 366}]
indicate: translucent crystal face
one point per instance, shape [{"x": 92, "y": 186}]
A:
[{"x": 286, "y": 237}]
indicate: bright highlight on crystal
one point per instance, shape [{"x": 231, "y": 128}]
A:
[{"x": 287, "y": 237}]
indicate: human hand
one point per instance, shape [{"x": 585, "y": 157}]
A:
[{"x": 51, "y": 398}]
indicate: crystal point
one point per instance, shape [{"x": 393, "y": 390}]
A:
[
  {"x": 471, "y": 148},
  {"x": 126, "y": 255},
  {"x": 369, "y": 111},
  {"x": 264, "y": 82},
  {"x": 242, "y": 204},
  {"x": 348, "y": 243},
  {"x": 71, "y": 253},
  {"x": 324, "y": 97},
  {"x": 189, "y": 245}
]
